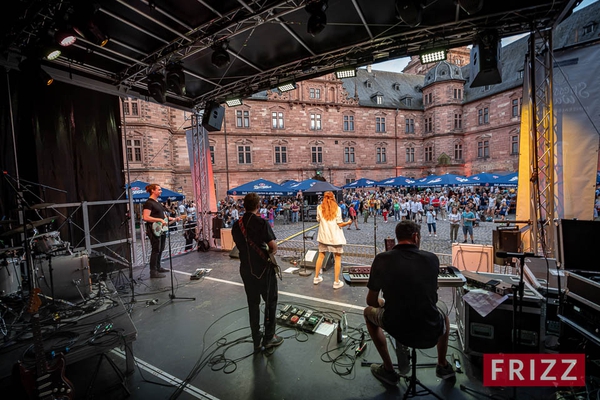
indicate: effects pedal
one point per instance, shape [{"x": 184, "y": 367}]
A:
[
  {"x": 286, "y": 308},
  {"x": 199, "y": 273}
]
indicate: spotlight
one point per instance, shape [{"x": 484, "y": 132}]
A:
[
  {"x": 220, "y": 57},
  {"x": 318, "y": 18},
  {"x": 157, "y": 87},
  {"x": 409, "y": 12},
  {"x": 349, "y": 72},
  {"x": 286, "y": 86},
  {"x": 471, "y": 6},
  {"x": 51, "y": 53},
  {"x": 65, "y": 37},
  {"x": 234, "y": 102},
  {"x": 32, "y": 68},
  {"x": 433, "y": 55},
  {"x": 91, "y": 32},
  {"x": 176, "y": 78}
]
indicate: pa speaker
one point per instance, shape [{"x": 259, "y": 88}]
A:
[
  {"x": 508, "y": 240},
  {"x": 213, "y": 117},
  {"x": 310, "y": 260},
  {"x": 486, "y": 68}
]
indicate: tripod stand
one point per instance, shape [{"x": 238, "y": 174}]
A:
[
  {"x": 172, "y": 296},
  {"x": 303, "y": 271}
]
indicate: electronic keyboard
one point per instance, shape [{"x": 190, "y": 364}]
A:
[{"x": 448, "y": 276}]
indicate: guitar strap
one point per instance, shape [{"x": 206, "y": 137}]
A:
[{"x": 257, "y": 250}]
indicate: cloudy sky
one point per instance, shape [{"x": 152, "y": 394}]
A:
[{"x": 399, "y": 64}]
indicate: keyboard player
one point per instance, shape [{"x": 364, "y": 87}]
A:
[{"x": 407, "y": 278}]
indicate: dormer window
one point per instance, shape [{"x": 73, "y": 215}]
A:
[
  {"x": 407, "y": 101},
  {"x": 377, "y": 98},
  {"x": 589, "y": 28},
  {"x": 520, "y": 74},
  {"x": 487, "y": 88},
  {"x": 397, "y": 86},
  {"x": 369, "y": 84}
]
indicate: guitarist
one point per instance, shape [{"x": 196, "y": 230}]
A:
[
  {"x": 154, "y": 212},
  {"x": 251, "y": 233}
]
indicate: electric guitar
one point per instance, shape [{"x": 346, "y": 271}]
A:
[
  {"x": 45, "y": 383},
  {"x": 158, "y": 228}
]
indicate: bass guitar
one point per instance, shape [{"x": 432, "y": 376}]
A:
[{"x": 46, "y": 382}]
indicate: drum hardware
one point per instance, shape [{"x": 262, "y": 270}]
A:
[
  {"x": 10, "y": 276},
  {"x": 39, "y": 206},
  {"x": 28, "y": 226}
]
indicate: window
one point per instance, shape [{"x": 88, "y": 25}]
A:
[
  {"x": 429, "y": 124},
  {"x": 212, "y": 154},
  {"x": 397, "y": 86},
  {"x": 280, "y": 155},
  {"x": 311, "y": 93},
  {"x": 588, "y": 29},
  {"x": 317, "y": 93},
  {"x": 520, "y": 74},
  {"x": 348, "y": 122},
  {"x": 457, "y": 121},
  {"x": 316, "y": 154},
  {"x": 458, "y": 154},
  {"x": 380, "y": 124},
  {"x": 458, "y": 61},
  {"x": 134, "y": 108},
  {"x": 369, "y": 84},
  {"x": 349, "y": 155},
  {"x": 514, "y": 144},
  {"x": 125, "y": 108},
  {"x": 277, "y": 120},
  {"x": 134, "y": 150},
  {"x": 381, "y": 157},
  {"x": 410, "y": 125},
  {"x": 408, "y": 102},
  {"x": 242, "y": 119},
  {"x": 315, "y": 122},
  {"x": 458, "y": 94},
  {"x": 483, "y": 149},
  {"x": 483, "y": 116},
  {"x": 379, "y": 99},
  {"x": 516, "y": 106},
  {"x": 244, "y": 154},
  {"x": 429, "y": 153},
  {"x": 487, "y": 88},
  {"x": 410, "y": 154}
]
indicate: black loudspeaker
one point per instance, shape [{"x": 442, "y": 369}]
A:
[
  {"x": 213, "y": 117},
  {"x": 310, "y": 260},
  {"x": 486, "y": 68},
  {"x": 508, "y": 240}
]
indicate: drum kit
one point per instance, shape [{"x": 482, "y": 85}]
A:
[{"x": 59, "y": 273}]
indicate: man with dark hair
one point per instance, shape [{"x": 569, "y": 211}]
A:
[
  {"x": 409, "y": 311},
  {"x": 253, "y": 236}
]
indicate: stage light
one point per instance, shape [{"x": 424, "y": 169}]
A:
[
  {"x": 433, "y": 55},
  {"x": 234, "y": 102},
  {"x": 409, "y": 11},
  {"x": 176, "y": 78},
  {"x": 90, "y": 31},
  {"x": 32, "y": 69},
  {"x": 471, "y": 6},
  {"x": 318, "y": 19},
  {"x": 65, "y": 37},
  {"x": 220, "y": 57},
  {"x": 157, "y": 87},
  {"x": 286, "y": 86},
  {"x": 51, "y": 53},
  {"x": 342, "y": 73}
]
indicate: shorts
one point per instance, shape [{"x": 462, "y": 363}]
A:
[
  {"x": 376, "y": 315},
  {"x": 468, "y": 229}
]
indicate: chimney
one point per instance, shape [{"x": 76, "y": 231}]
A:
[{"x": 369, "y": 68}]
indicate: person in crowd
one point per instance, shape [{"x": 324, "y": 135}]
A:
[
  {"x": 252, "y": 236},
  {"x": 454, "y": 217},
  {"x": 431, "y": 220},
  {"x": 468, "y": 218},
  {"x": 409, "y": 309},
  {"x": 353, "y": 217},
  {"x": 330, "y": 237},
  {"x": 295, "y": 208},
  {"x": 155, "y": 213},
  {"x": 271, "y": 216}
]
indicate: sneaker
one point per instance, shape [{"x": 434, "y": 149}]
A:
[
  {"x": 389, "y": 377},
  {"x": 161, "y": 269},
  {"x": 445, "y": 372},
  {"x": 317, "y": 280},
  {"x": 338, "y": 284},
  {"x": 435, "y": 235},
  {"x": 156, "y": 274},
  {"x": 465, "y": 241},
  {"x": 348, "y": 228},
  {"x": 274, "y": 342},
  {"x": 358, "y": 229}
]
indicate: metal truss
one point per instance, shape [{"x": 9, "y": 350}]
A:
[
  {"x": 199, "y": 166},
  {"x": 542, "y": 144}
]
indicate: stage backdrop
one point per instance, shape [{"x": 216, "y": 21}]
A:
[{"x": 67, "y": 138}]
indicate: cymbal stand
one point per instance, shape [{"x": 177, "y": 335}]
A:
[
  {"x": 303, "y": 271},
  {"x": 172, "y": 296}
]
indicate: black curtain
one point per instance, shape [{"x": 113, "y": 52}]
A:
[{"x": 66, "y": 138}]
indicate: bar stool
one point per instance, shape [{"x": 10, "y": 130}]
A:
[{"x": 412, "y": 380}]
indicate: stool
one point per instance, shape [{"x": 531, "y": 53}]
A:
[{"x": 412, "y": 391}]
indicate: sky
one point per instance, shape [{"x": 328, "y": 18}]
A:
[{"x": 398, "y": 65}]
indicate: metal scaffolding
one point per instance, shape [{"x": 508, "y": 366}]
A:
[{"x": 199, "y": 162}]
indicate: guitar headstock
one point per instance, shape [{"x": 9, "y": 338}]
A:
[{"x": 34, "y": 301}]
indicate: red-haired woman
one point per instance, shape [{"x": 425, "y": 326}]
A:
[{"x": 331, "y": 237}]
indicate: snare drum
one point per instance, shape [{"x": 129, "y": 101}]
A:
[
  {"x": 10, "y": 276},
  {"x": 45, "y": 243},
  {"x": 71, "y": 275}
]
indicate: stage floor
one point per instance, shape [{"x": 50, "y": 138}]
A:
[{"x": 205, "y": 342}]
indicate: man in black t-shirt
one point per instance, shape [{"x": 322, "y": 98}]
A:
[
  {"x": 259, "y": 278},
  {"x": 154, "y": 212},
  {"x": 409, "y": 311}
]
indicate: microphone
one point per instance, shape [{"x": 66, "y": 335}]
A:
[{"x": 505, "y": 254}]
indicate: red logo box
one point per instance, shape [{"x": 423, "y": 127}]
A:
[{"x": 534, "y": 369}]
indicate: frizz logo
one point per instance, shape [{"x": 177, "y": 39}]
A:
[{"x": 534, "y": 369}]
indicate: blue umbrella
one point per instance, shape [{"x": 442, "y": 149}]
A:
[
  {"x": 484, "y": 179},
  {"x": 361, "y": 183},
  {"x": 399, "y": 181},
  {"x": 598, "y": 178},
  {"x": 288, "y": 183},
  {"x": 444, "y": 180},
  {"x": 305, "y": 184},
  {"x": 509, "y": 180},
  {"x": 321, "y": 187},
  {"x": 138, "y": 188},
  {"x": 262, "y": 187}
]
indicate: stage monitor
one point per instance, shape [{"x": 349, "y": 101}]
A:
[{"x": 578, "y": 244}]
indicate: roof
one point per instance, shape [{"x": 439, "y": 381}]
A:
[{"x": 267, "y": 41}]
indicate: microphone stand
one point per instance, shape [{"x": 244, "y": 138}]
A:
[
  {"x": 303, "y": 271},
  {"x": 172, "y": 296}
]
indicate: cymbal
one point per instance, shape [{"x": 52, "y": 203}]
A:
[
  {"x": 28, "y": 226},
  {"x": 4, "y": 250},
  {"x": 39, "y": 206}
]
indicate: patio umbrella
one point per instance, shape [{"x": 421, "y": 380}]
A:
[
  {"x": 483, "y": 179},
  {"x": 361, "y": 183},
  {"x": 262, "y": 187},
  {"x": 320, "y": 187},
  {"x": 508, "y": 180},
  {"x": 399, "y": 181},
  {"x": 138, "y": 190},
  {"x": 303, "y": 185},
  {"x": 444, "y": 180}
]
